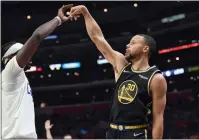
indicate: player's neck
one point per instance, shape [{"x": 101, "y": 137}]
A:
[{"x": 140, "y": 64}]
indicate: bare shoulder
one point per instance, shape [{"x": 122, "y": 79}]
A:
[
  {"x": 158, "y": 84},
  {"x": 158, "y": 77}
]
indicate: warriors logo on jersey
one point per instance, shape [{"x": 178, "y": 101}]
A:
[{"x": 127, "y": 92}]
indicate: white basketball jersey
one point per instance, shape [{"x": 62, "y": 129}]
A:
[{"x": 18, "y": 116}]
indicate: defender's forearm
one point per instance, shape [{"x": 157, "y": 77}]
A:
[{"x": 29, "y": 48}]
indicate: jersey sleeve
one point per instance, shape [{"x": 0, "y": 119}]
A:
[{"x": 12, "y": 70}]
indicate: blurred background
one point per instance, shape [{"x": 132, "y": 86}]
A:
[{"x": 72, "y": 83}]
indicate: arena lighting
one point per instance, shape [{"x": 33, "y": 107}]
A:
[
  {"x": 50, "y": 37},
  {"x": 105, "y": 9},
  {"x": 100, "y": 57},
  {"x": 102, "y": 61},
  {"x": 83, "y": 131},
  {"x": 42, "y": 105},
  {"x": 195, "y": 41},
  {"x": 169, "y": 73},
  {"x": 67, "y": 73},
  {"x": 76, "y": 74},
  {"x": 32, "y": 69},
  {"x": 39, "y": 69},
  {"x": 71, "y": 65},
  {"x": 135, "y": 5},
  {"x": 173, "y": 18},
  {"x": 192, "y": 69},
  {"x": 168, "y": 60},
  {"x": 28, "y": 17},
  {"x": 77, "y": 65},
  {"x": 179, "y": 48},
  {"x": 55, "y": 66},
  {"x": 178, "y": 71},
  {"x": 104, "y": 70},
  {"x": 177, "y": 58}
]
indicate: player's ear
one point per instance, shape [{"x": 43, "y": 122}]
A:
[{"x": 146, "y": 48}]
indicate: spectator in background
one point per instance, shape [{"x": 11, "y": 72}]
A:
[
  {"x": 42, "y": 105},
  {"x": 48, "y": 127}
]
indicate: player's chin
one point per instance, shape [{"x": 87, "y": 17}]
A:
[
  {"x": 127, "y": 55},
  {"x": 128, "y": 58}
]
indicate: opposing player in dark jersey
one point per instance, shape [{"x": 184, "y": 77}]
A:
[{"x": 137, "y": 84}]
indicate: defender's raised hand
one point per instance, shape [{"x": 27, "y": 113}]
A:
[{"x": 62, "y": 11}]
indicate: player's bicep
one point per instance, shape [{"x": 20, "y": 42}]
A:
[
  {"x": 26, "y": 52},
  {"x": 115, "y": 58},
  {"x": 104, "y": 47},
  {"x": 158, "y": 89},
  {"x": 158, "y": 106}
]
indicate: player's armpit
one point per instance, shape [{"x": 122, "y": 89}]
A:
[
  {"x": 158, "y": 88},
  {"x": 106, "y": 50},
  {"x": 120, "y": 64},
  {"x": 115, "y": 58}
]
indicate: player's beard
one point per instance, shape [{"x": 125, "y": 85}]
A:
[{"x": 129, "y": 57}]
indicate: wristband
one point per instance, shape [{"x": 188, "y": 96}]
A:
[{"x": 60, "y": 22}]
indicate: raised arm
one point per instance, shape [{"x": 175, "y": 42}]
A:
[
  {"x": 29, "y": 48},
  {"x": 95, "y": 33},
  {"x": 158, "y": 90},
  {"x": 48, "y": 126}
]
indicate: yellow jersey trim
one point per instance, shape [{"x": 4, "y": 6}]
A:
[
  {"x": 122, "y": 71},
  {"x": 121, "y": 127},
  {"x": 148, "y": 85},
  {"x": 140, "y": 71}
]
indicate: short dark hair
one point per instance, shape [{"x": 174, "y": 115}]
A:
[
  {"x": 6, "y": 46},
  {"x": 150, "y": 42}
]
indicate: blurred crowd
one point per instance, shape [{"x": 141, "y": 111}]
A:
[
  {"x": 83, "y": 123},
  {"x": 181, "y": 120}
]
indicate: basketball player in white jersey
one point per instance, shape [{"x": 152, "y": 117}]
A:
[{"x": 18, "y": 116}]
